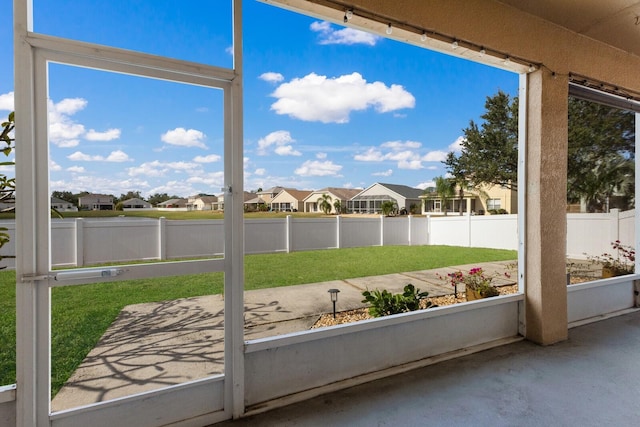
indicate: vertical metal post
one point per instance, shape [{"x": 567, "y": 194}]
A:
[
  {"x": 522, "y": 193},
  {"x": 234, "y": 229}
]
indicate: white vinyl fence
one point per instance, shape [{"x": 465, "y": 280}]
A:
[{"x": 83, "y": 242}]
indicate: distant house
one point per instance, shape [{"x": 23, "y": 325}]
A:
[
  {"x": 261, "y": 198},
  {"x": 289, "y": 200},
  {"x": 96, "y": 202},
  {"x": 342, "y": 194},
  {"x": 487, "y": 199},
  {"x": 136, "y": 203},
  {"x": 62, "y": 205},
  {"x": 201, "y": 203},
  {"x": 173, "y": 203},
  {"x": 370, "y": 199}
]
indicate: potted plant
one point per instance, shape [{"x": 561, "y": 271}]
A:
[
  {"x": 618, "y": 264},
  {"x": 477, "y": 284}
]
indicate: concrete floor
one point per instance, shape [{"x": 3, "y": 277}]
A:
[{"x": 592, "y": 379}]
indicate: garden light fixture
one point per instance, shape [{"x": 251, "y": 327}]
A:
[{"x": 334, "y": 299}]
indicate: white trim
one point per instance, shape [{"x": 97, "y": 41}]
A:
[{"x": 128, "y": 62}]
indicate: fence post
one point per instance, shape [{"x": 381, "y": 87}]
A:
[
  {"x": 339, "y": 231},
  {"x": 289, "y": 234},
  {"x": 409, "y": 231},
  {"x": 162, "y": 238},
  {"x": 428, "y": 229},
  {"x": 79, "y": 223},
  {"x": 381, "y": 230},
  {"x": 615, "y": 224},
  {"x": 469, "y": 229}
]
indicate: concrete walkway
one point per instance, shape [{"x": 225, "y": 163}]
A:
[{"x": 154, "y": 345}]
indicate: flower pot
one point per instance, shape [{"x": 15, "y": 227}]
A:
[
  {"x": 472, "y": 295},
  {"x": 609, "y": 272}
]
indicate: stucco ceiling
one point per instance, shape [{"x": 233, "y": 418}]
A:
[{"x": 615, "y": 22}]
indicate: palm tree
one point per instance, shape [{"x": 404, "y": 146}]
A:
[
  {"x": 337, "y": 205},
  {"x": 324, "y": 203},
  {"x": 445, "y": 189},
  {"x": 387, "y": 207}
]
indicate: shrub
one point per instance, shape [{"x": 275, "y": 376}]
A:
[{"x": 384, "y": 303}]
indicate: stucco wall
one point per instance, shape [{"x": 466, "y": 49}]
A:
[{"x": 503, "y": 28}]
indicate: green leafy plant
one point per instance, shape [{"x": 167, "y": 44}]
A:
[{"x": 384, "y": 303}]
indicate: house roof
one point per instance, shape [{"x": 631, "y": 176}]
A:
[
  {"x": 340, "y": 193},
  {"x": 402, "y": 190},
  {"x": 177, "y": 202},
  {"x": 255, "y": 200},
  {"x": 136, "y": 201},
  {"x": 207, "y": 199},
  {"x": 299, "y": 195},
  {"x": 93, "y": 195},
  {"x": 272, "y": 190},
  {"x": 59, "y": 201}
]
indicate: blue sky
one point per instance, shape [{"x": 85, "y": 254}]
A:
[{"x": 324, "y": 106}]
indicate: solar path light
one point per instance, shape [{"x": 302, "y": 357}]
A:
[{"x": 334, "y": 299}]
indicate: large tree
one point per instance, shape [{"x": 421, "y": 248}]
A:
[
  {"x": 600, "y": 154},
  {"x": 489, "y": 152}
]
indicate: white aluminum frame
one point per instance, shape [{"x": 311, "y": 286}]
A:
[{"x": 33, "y": 52}]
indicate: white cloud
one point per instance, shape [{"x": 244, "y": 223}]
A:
[
  {"x": 456, "y": 146},
  {"x": 426, "y": 184},
  {"x": 260, "y": 171},
  {"x": 281, "y": 140},
  {"x": 157, "y": 168},
  {"x": 399, "y": 145},
  {"x": 63, "y": 130},
  {"x": 287, "y": 150},
  {"x": 317, "y": 168},
  {"x": 346, "y": 36},
  {"x": 211, "y": 158},
  {"x": 405, "y": 153},
  {"x": 108, "y": 135},
  {"x": 53, "y": 166},
  {"x": 6, "y": 101},
  {"x": 388, "y": 172},
  {"x": 70, "y": 106},
  {"x": 118, "y": 156},
  {"x": 410, "y": 164},
  {"x": 115, "y": 156},
  {"x": 182, "y": 137},
  {"x": 435, "y": 156},
  {"x": 331, "y": 100},
  {"x": 213, "y": 180},
  {"x": 79, "y": 156},
  {"x": 371, "y": 155},
  {"x": 76, "y": 169},
  {"x": 271, "y": 77},
  {"x": 321, "y": 156},
  {"x": 151, "y": 169}
]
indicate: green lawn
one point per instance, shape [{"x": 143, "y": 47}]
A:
[{"x": 81, "y": 314}]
